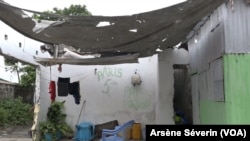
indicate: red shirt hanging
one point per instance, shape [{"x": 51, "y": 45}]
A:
[{"x": 52, "y": 90}]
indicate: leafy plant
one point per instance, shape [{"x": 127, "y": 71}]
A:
[
  {"x": 47, "y": 127},
  {"x": 65, "y": 129},
  {"x": 73, "y": 10},
  {"x": 3, "y": 117},
  {"x": 28, "y": 76},
  {"x": 55, "y": 113},
  {"x": 26, "y": 73},
  {"x": 15, "y": 112},
  {"x": 55, "y": 123}
]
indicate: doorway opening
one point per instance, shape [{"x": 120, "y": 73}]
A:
[{"x": 182, "y": 95}]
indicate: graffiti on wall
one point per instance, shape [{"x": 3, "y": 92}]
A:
[
  {"x": 107, "y": 85},
  {"x": 109, "y": 75},
  {"x": 137, "y": 98}
]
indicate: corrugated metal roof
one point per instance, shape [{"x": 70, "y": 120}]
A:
[{"x": 141, "y": 33}]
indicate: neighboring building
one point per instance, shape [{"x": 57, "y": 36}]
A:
[
  {"x": 219, "y": 62},
  {"x": 7, "y": 89}
]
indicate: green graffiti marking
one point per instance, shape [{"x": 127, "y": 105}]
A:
[
  {"x": 109, "y": 72},
  {"x": 106, "y": 85}
]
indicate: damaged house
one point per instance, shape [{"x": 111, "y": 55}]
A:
[{"x": 193, "y": 59}]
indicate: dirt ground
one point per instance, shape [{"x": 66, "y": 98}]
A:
[
  {"x": 15, "y": 133},
  {"x": 18, "y": 133}
]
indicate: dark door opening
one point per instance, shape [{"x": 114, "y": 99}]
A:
[{"x": 182, "y": 95}]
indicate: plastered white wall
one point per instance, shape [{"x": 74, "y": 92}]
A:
[
  {"x": 164, "y": 107},
  {"x": 109, "y": 94},
  {"x": 26, "y": 51},
  {"x": 10, "y": 47}
]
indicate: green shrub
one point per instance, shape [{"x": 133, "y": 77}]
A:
[
  {"x": 55, "y": 122},
  {"x": 3, "y": 117},
  {"x": 15, "y": 112}
]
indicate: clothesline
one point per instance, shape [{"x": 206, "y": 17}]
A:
[{"x": 78, "y": 76}]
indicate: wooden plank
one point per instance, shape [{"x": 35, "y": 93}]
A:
[{"x": 132, "y": 58}]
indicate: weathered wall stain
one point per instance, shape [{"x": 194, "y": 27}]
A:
[{"x": 137, "y": 98}]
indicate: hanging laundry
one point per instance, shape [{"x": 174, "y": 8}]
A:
[
  {"x": 52, "y": 90},
  {"x": 74, "y": 89},
  {"x": 60, "y": 68},
  {"x": 63, "y": 86}
]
